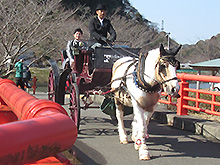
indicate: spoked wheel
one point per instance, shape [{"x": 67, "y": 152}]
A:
[
  {"x": 75, "y": 103},
  {"x": 51, "y": 87}
]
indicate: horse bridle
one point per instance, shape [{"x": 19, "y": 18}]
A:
[{"x": 172, "y": 61}]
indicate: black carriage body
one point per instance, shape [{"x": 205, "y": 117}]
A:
[
  {"x": 105, "y": 57},
  {"x": 100, "y": 61},
  {"x": 103, "y": 62},
  {"x": 100, "y": 79}
]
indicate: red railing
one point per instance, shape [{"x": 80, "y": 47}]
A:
[
  {"x": 43, "y": 129},
  {"x": 182, "y": 102}
]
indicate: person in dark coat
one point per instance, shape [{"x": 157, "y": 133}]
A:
[
  {"x": 26, "y": 76},
  {"x": 99, "y": 27}
]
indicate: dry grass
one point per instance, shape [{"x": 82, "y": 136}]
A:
[
  {"x": 205, "y": 116},
  {"x": 198, "y": 114},
  {"x": 71, "y": 157}
]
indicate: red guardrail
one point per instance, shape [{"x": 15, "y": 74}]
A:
[{"x": 182, "y": 102}]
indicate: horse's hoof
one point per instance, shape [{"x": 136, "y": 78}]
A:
[
  {"x": 124, "y": 141},
  {"x": 144, "y": 157},
  {"x": 143, "y": 153}
]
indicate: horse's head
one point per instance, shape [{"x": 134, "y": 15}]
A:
[{"x": 166, "y": 70}]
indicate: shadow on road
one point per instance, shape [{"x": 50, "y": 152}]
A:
[
  {"x": 87, "y": 155},
  {"x": 164, "y": 141},
  {"x": 179, "y": 143}
]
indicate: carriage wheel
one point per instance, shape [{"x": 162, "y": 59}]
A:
[
  {"x": 51, "y": 87},
  {"x": 75, "y": 104}
]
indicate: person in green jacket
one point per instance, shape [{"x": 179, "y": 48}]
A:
[{"x": 19, "y": 73}]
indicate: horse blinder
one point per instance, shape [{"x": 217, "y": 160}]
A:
[{"x": 161, "y": 67}]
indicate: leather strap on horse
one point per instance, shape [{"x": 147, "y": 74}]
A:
[
  {"x": 141, "y": 83},
  {"x": 140, "y": 70},
  {"x": 123, "y": 78}
]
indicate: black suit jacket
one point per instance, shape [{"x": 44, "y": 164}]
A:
[{"x": 97, "y": 31}]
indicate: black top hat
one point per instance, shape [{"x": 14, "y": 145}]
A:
[{"x": 101, "y": 7}]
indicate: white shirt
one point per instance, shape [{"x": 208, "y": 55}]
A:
[{"x": 101, "y": 21}]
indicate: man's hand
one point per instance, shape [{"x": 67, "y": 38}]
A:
[
  {"x": 111, "y": 40},
  {"x": 104, "y": 39}
]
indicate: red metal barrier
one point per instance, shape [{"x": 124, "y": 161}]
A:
[
  {"x": 34, "y": 84},
  {"x": 182, "y": 102},
  {"x": 44, "y": 128},
  {"x": 6, "y": 115}
]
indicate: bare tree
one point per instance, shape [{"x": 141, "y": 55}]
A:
[
  {"x": 140, "y": 35},
  {"x": 27, "y": 24}
]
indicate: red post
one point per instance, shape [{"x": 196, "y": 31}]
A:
[
  {"x": 34, "y": 84},
  {"x": 180, "y": 101}
]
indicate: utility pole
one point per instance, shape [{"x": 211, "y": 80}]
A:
[
  {"x": 168, "y": 40},
  {"x": 167, "y": 35},
  {"x": 162, "y": 25}
]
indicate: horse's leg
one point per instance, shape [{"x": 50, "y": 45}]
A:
[
  {"x": 134, "y": 133},
  {"x": 121, "y": 130},
  {"x": 141, "y": 127},
  {"x": 147, "y": 120},
  {"x": 134, "y": 129},
  {"x": 147, "y": 116}
]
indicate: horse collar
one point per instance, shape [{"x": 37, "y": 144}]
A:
[
  {"x": 147, "y": 87},
  {"x": 139, "y": 78}
]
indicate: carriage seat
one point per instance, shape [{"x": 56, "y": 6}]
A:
[
  {"x": 64, "y": 59},
  {"x": 63, "y": 55}
]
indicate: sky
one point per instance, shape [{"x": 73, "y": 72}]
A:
[{"x": 187, "y": 21}]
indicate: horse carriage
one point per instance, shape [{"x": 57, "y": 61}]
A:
[
  {"x": 90, "y": 75},
  {"x": 134, "y": 82}
]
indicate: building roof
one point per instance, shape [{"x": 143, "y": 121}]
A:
[{"x": 207, "y": 65}]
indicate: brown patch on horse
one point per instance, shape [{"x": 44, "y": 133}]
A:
[{"x": 149, "y": 101}]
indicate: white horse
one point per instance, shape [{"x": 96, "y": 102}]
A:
[{"x": 138, "y": 83}]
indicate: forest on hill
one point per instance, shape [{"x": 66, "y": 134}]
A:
[
  {"x": 44, "y": 27},
  {"x": 201, "y": 51}
]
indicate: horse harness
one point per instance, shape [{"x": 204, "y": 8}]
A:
[{"x": 139, "y": 79}]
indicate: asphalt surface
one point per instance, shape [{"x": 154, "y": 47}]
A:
[{"x": 98, "y": 143}]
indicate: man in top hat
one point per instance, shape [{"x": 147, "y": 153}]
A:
[{"x": 99, "y": 26}]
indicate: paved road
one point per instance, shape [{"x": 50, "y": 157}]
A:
[{"x": 98, "y": 144}]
